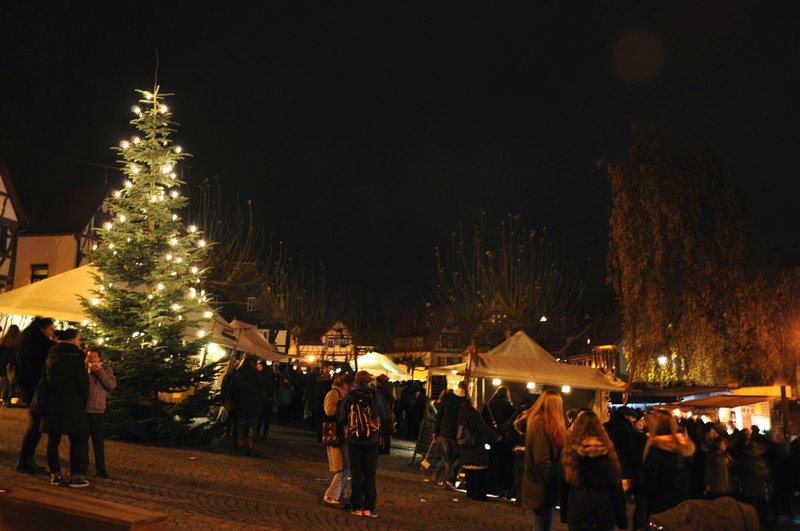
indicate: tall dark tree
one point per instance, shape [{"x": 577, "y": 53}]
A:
[{"x": 676, "y": 261}]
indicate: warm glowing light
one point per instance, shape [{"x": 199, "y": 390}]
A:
[
  {"x": 163, "y": 108},
  {"x": 166, "y": 169},
  {"x": 566, "y": 389},
  {"x": 173, "y": 175},
  {"x": 160, "y": 286},
  {"x": 128, "y": 184},
  {"x": 201, "y": 243},
  {"x": 173, "y": 241},
  {"x": 153, "y": 198},
  {"x": 201, "y": 334},
  {"x": 194, "y": 270},
  {"x": 168, "y": 257},
  {"x": 208, "y": 315},
  {"x": 176, "y": 307},
  {"x": 107, "y": 225},
  {"x": 531, "y": 385},
  {"x": 662, "y": 360},
  {"x": 100, "y": 340},
  {"x": 110, "y": 245},
  {"x": 124, "y": 144},
  {"x": 454, "y": 372},
  {"x": 192, "y": 229},
  {"x": 85, "y": 322},
  {"x": 543, "y": 319},
  {"x": 122, "y": 218},
  {"x": 178, "y": 149},
  {"x": 136, "y": 109},
  {"x": 136, "y": 140},
  {"x": 311, "y": 358},
  {"x": 134, "y": 169},
  {"x": 173, "y": 194},
  {"x": 94, "y": 247},
  {"x": 179, "y": 260},
  {"x": 95, "y": 302},
  {"x": 497, "y": 381},
  {"x": 147, "y": 95},
  {"x": 174, "y": 217}
]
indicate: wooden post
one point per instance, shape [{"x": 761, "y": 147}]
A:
[{"x": 785, "y": 414}]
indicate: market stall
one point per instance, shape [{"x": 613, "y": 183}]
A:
[{"x": 378, "y": 364}]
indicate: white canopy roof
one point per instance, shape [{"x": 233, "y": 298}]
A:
[
  {"x": 59, "y": 297},
  {"x": 378, "y": 364},
  {"x": 520, "y": 359}
]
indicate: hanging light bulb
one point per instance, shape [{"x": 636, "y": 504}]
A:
[
  {"x": 173, "y": 241},
  {"x": 201, "y": 243},
  {"x": 178, "y": 149},
  {"x": 176, "y": 307},
  {"x": 174, "y": 217},
  {"x": 136, "y": 109},
  {"x": 128, "y": 184},
  {"x": 122, "y": 218},
  {"x": 194, "y": 270},
  {"x": 160, "y": 286},
  {"x": 163, "y": 108},
  {"x": 136, "y": 140},
  {"x": 192, "y": 228},
  {"x": 117, "y": 194},
  {"x": 166, "y": 169},
  {"x": 94, "y": 247},
  {"x": 124, "y": 144},
  {"x": 95, "y": 302},
  {"x": 110, "y": 245},
  {"x": 173, "y": 175},
  {"x": 169, "y": 256},
  {"x": 153, "y": 198},
  {"x": 108, "y": 226},
  {"x": 129, "y": 239},
  {"x": 100, "y": 340},
  {"x": 173, "y": 194},
  {"x": 134, "y": 169},
  {"x": 179, "y": 260},
  {"x": 201, "y": 334},
  {"x": 85, "y": 322},
  {"x": 147, "y": 95},
  {"x": 208, "y": 315}
]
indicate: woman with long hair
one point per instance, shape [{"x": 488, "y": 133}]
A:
[
  {"x": 666, "y": 456},
  {"x": 101, "y": 380},
  {"x": 498, "y": 413},
  {"x": 545, "y": 434},
  {"x": 592, "y": 497}
]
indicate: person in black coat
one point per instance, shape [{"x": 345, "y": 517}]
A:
[
  {"x": 8, "y": 350},
  {"x": 269, "y": 393},
  {"x": 30, "y": 358},
  {"x": 591, "y": 493},
  {"x": 444, "y": 431},
  {"x": 65, "y": 393},
  {"x": 246, "y": 393},
  {"x": 497, "y": 413},
  {"x": 474, "y": 456},
  {"x": 667, "y": 457}
]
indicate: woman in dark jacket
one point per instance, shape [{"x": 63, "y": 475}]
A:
[
  {"x": 247, "y": 392},
  {"x": 101, "y": 380},
  {"x": 64, "y": 413},
  {"x": 667, "y": 456},
  {"x": 497, "y": 413},
  {"x": 34, "y": 345},
  {"x": 591, "y": 496},
  {"x": 474, "y": 456}
]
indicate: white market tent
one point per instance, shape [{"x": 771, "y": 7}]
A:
[
  {"x": 59, "y": 297},
  {"x": 378, "y": 364},
  {"x": 520, "y": 359},
  {"x": 249, "y": 339}
]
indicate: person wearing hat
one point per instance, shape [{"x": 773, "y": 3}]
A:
[
  {"x": 362, "y": 413},
  {"x": 338, "y": 456}
]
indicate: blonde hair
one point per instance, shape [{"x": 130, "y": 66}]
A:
[
  {"x": 587, "y": 424},
  {"x": 550, "y": 407},
  {"x": 660, "y": 422}
]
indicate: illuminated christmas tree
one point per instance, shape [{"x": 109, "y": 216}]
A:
[{"x": 149, "y": 302}]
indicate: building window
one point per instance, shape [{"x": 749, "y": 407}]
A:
[
  {"x": 39, "y": 272},
  {"x": 251, "y": 304},
  {"x": 331, "y": 342},
  {"x": 4, "y": 239},
  {"x": 343, "y": 343}
]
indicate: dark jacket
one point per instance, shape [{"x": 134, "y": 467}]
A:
[
  {"x": 447, "y": 415},
  {"x": 66, "y": 392},
  {"x": 380, "y": 413},
  {"x": 623, "y": 435},
  {"x": 246, "y": 391},
  {"x": 475, "y": 455},
  {"x": 6, "y": 355},
  {"x": 666, "y": 474},
  {"x": 597, "y": 501},
  {"x": 497, "y": 414},
  {"x": 541, "y": 479},
  {"x": 31, "y": 357}
]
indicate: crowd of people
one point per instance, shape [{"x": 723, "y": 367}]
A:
[{"x": 65, "y": 391}]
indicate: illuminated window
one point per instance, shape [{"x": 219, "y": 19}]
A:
[{"x": 39, "y": 272}]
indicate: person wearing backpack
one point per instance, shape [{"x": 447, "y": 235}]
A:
[
  {"x": 363, "y": 410},
  {"x": 472, "y": 435}
]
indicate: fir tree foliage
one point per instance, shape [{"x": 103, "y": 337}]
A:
[{"x": 149, "y": 302}]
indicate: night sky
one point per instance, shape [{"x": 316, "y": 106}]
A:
[{"x": 365, "y": 134}]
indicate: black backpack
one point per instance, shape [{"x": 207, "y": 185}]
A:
[{"x": 360, "y": 419}]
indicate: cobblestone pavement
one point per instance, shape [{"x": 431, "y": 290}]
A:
[{"x": 217, "y": 489}]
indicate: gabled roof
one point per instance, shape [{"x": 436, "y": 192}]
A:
[
  {"x": 606, "y": 329},
  {"x": 22, "y": 218},
  {"x": 66, "y": 211}
]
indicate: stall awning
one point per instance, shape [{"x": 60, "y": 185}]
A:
[{"x": 723, "y": 401}]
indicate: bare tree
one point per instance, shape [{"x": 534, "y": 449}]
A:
[{"x": 522, "y": 282}]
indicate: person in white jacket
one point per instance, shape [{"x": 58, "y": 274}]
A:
[
  {"x": 101, "y": 380},
  {"x": 338, "y": 458}
]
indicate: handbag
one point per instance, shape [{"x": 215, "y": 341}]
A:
[
  {"x": 331, "y": 434},
  {"x": 426, "y": 464}
]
